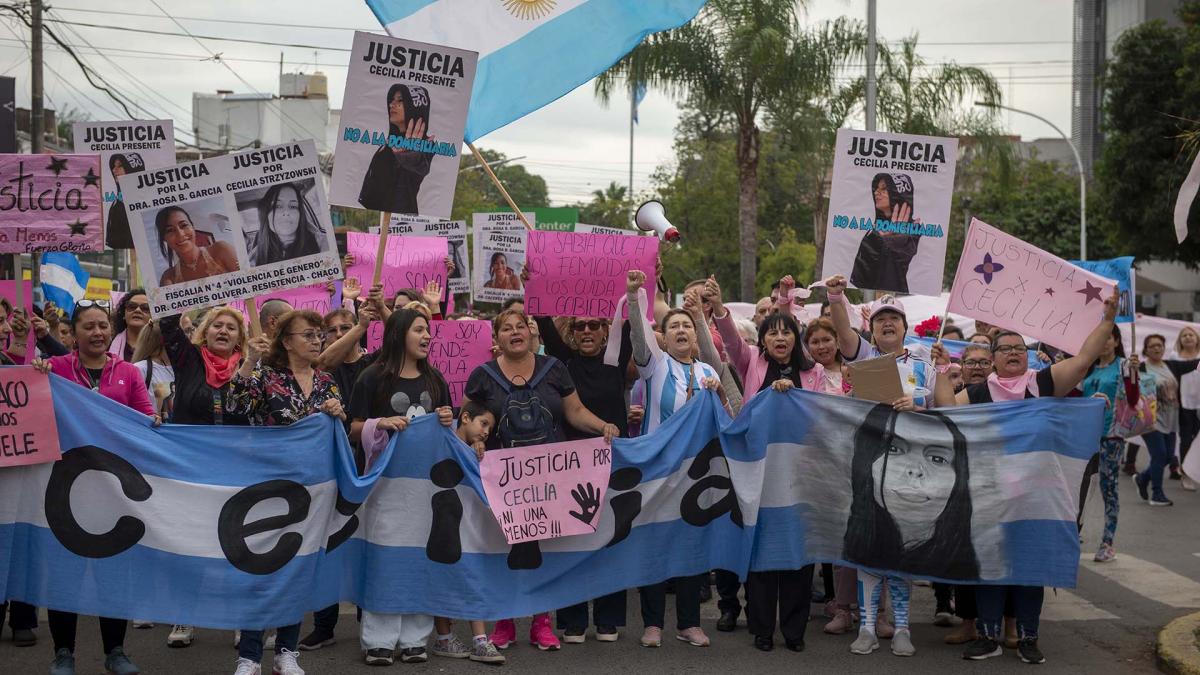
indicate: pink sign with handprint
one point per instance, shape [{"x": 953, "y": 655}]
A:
[{"x": 547, "y": 491}]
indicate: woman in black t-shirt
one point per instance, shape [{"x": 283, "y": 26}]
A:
[{"x": 399, "y": 386}]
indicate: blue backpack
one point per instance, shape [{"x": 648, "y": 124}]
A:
[{"x": 524, "y": 417}]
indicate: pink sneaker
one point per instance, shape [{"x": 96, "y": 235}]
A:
[
  {"x": 652, "y": 637},
  {"x": 693, "y": 636},
  {"x": 504, "y": 633},
  {"x": 541, "y": 635}
]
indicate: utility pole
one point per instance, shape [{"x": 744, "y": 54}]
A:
[
  {"x": 36, "y": 115},
  {"x": 871, "y": 55}
]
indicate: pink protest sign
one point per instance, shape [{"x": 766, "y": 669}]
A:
[
  {"x": 1009, "y": 283},
  {"x": 576, "y": 274},
  {"x": 28, "y": 428},
  {"x": 410, "y": 262},
  {"x": 315, "y": 298},
  {"x": 22, "y": 352},
  {"x": 457, "y": 349},
  {"x": 51, "y": 203},
  {"x": 547, "y": 491}
]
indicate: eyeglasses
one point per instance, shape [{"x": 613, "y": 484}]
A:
[
  {"x": 143, "y": 306},
  {"x": 309, "y": 335},
  {"x": 593, "y": 326},
  {"x": 977, "y": 363},
  {"x": 96, "y": 303},
  {"x": 1005, "y": 349}
]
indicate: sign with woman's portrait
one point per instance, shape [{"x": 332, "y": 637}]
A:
[
  {"x": 889, "y": 210},
  {"x": 125, "y": 147},
  {"x": 402, "y": 124},
  {"x": 499, "y": 253},
  {"x": 231, "y": 227}
]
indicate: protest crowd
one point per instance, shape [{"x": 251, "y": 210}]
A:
[{"x": 529, "y": 383}]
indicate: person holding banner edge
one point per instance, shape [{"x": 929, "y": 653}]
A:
[
  {"x": 278, "y": 385},
  {"x": 93, "y": 367},
  {"x": 1012, "y": 380}
]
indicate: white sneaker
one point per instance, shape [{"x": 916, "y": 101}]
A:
[
  {"x": 285, "y": 663},
  {"x": 247, "y": 667},
  {"x": 181, "y": 636},
  {"x": 269, "y": 642},
  {"x": 1187, "y": 484}
]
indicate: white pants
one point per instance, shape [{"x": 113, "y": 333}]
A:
[{"x": 394, "y": 631}]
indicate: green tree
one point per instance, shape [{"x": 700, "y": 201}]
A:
[
  {"x": 733, "y": 57},
  {"x": 910, "y": 103},
  {"x": 608, "y": 207},
  {"x": 476, "y": 192},
  {"x": 793, "y": 257},
  {"x": 1152, "y": 88}
]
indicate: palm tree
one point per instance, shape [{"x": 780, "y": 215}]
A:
[
  {"x": 735, "y": 56},
  {"x": 608, "y": 207},
  {"x": 909, "y": 103}
]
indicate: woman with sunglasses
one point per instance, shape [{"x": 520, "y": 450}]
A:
[
  {"x": 278, "y": 384},
  {"x": 132, "y": 315},
  {"x": 92, "y": 366},
  {"x": 601, "y": 388}
]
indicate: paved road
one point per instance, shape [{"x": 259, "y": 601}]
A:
[{"x": 1106, "y": 625}]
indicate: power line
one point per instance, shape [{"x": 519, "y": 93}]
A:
[
  {"x": 273, "y": 24},
  {"x": 194, "y": 37}
]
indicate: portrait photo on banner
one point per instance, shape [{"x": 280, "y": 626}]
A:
[
  {"x": 402, "y": 121},
  {"x": 191, "y": 241},
  {"x": 889, "y": 210},
  {"x": 280, "y": 222},
  {"x": 499, "y": 256}
]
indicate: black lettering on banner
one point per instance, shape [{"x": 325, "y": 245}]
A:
[
  {"x": 445, "y": 541},
  {"x": 127, "y": 531},
  {"x": 346, "y": 508},
  {"x": 627, "y": 506},
  {"x": 690, "y": 509},
  {"x": 232, "y": 528}
]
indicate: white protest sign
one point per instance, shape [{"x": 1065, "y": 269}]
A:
[
  {"x": 231, "y": 227},
  {"x": 453, "y": 231},
  {"x": 402, "y": 123},
  {"x": 499, "y": 254},
  {"x": 889, "y": 210},
  {"x": 125, "y": 147}
]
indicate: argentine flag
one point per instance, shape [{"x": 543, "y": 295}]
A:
[
  {"x": 531, "y": 52},
  {"x": 63, "y": 280}
]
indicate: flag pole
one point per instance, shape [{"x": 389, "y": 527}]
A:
[{"x": 511, "y": 204}]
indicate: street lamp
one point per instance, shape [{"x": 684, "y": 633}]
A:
[{"x": 1078, "y": 164}]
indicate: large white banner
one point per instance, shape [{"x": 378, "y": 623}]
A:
[
  {"x": 889, "y": 210},
  {"x": 453, "y": 231},
  {"x": 231, "y": 227},
  {"x": 125, "y": 147},
  {"x": 499, "y": 255},
  {"x": 402, "y": 126}
]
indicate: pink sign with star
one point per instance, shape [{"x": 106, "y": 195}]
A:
[
  {"x": 1012, "y": 284},
  {"x": 50, "y": 203}
]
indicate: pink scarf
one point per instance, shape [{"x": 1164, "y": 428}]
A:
[
  {"x": 1012, "y": 388},
  {"x": 219, "y": 370}
]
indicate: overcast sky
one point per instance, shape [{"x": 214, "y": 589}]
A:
[{"x": 575, "y": 143}]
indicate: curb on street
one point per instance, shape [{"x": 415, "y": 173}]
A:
[{"x": 1178, "y": 648}]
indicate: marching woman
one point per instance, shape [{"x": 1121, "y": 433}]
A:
[
  {"x": 1187, "y": 348},
  {"x": 278, "y": 385},
  {"x": 93, "y": 367},
  {"x": 1013, "y": 381},
  {"x": 545, "y": 385},
  {"x": 131, "y": 316},
  {"x": 601, "y": 388},
  {"x": 1161, "y": 442},
  {"x": 203, "y": 366},
  {"x": 1104, "y": 378},
  {"x": 779, "y": 363},
  {"x": 150, "y": 358},
  {"x": 670, "y": 380},
  {"x": 398, "y": 387}
]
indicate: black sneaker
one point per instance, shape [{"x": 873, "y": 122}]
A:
[
  {"x": 24, "y": 637},
  {"x": 1029, "y": 651},
  {"x": 606, "y": 633},
  {"x": 728, "y": 621},
  {"x": 982, "y": 648},
  {"x": 380, "y": 657},
  {"x": 413, "y": 655},
  {"x": 1143, "y": 487},
  {"x": 574, "y": 636},
  {"x": 315, "y": 640}
]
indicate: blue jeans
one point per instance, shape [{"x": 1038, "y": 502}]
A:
[
  {"x": 1026, "y": 605},
  {"x": 1162, "y": 448},
  {"x": 251, "y": 644}
]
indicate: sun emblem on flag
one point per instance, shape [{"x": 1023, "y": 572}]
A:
[{"x": 529, "y": 9}]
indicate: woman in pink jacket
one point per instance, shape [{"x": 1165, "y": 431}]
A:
[{"x": 93, "y": 367}]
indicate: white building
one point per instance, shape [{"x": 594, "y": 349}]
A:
[{"x": 228, "y": 121}]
